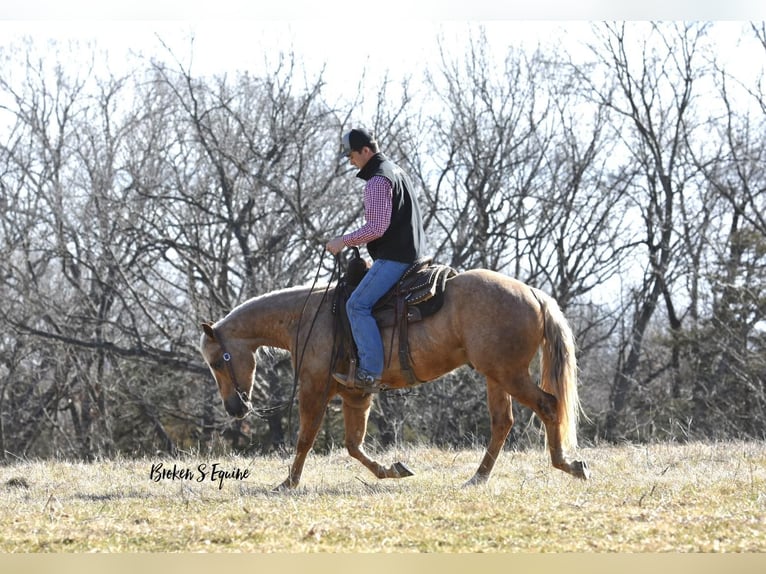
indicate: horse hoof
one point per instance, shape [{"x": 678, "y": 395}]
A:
[
  {"x": 402, "y": 470},
  {"x": 285, "y": 486},
  {"x": 476, "y": 480},
  {"x": 581, "y": 470}
]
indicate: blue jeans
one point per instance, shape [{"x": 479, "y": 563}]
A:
[{"x": 381, "y": 277}]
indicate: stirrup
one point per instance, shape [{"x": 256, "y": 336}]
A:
[{"x": 360, "y": 382}]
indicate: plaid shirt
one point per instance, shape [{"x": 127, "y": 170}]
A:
[{"x": 377, "y": 212}]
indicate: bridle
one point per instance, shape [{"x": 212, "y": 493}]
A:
[
  {"x": 269, "y": 411},
  {"x": 226, "y": 357}
]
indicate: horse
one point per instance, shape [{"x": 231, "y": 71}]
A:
[{"x": 488, "y": 320}]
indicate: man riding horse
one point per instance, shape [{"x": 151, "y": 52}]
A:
[
  {"x": 393, "y": 233},
  {"x": 495, "y": 323}
]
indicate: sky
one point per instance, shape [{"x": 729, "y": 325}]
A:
[
  {"x": 391, "y": 10},
  {"x": 346, "y": 38},
  {"x": 346, "y": 34}
]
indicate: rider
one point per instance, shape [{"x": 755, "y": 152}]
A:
[{"x": 393, "y": 233}]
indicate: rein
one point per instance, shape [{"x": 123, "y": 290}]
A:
[
  {"x": 269, "y": 411},
  {"x": 299, "y": 358}
]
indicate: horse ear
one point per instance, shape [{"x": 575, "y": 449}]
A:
[{"x": 208, "y": 329}]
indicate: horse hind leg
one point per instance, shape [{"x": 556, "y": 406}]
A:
[
  {"x": 500, "y": 406},
  {"x": 545, "y": 406},
  {"x": 356, "y": 411}
]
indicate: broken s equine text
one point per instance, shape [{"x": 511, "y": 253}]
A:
[{"x": 214, "y": 473}]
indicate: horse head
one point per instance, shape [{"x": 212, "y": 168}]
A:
[{"x": 233, "y": 366}]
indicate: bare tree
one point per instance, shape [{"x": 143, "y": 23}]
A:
[
  {"x": 654, "y": 71},
  {"x": 134, "y": 207},
  {"x": 726, "y": 342},
  {"x": 153, "y": 206}
]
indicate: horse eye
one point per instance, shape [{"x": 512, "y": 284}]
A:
[{"x": 218, "y": 364}]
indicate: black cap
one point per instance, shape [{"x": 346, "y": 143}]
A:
[{"x": 355, "y": 140}]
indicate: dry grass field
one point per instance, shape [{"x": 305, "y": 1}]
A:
[{"x": 706, "y": 498}]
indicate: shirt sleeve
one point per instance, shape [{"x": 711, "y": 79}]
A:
[{"x": 377, "y": 212}]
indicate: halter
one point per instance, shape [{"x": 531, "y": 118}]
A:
[{"x": 227, "y": 359}]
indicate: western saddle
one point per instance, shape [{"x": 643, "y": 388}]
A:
[{"x": 417, "y": 295}]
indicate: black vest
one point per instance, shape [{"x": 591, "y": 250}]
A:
[{"x": 404, "y": 240}]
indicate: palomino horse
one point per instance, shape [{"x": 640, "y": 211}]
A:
[{"x": 490, "y": 321}]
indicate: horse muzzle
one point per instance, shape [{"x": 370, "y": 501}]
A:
[{"x": 237, "y": 407}]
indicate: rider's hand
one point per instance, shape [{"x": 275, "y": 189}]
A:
[{"x": 335, "y": 245}]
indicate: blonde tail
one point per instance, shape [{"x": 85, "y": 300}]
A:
[{"x": 559, "y": 368}]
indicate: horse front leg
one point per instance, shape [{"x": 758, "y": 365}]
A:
[
  {"x": 311, "y": 408},
  {"x": 356, "y": 411},
  {"x": 501, "y": 421}
]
